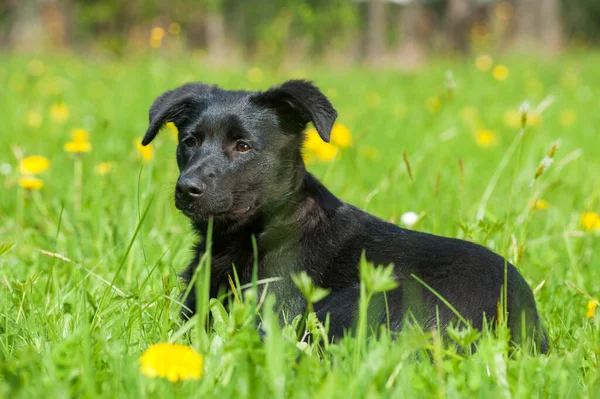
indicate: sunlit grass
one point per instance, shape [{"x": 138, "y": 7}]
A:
[{"x": 89, "y": 258}]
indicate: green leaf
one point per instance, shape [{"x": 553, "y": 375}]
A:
[
  {"x": 464, "y": 336},
  {"x": 377, "y": 278},
  {"x": 309, "y": 290},
  {"x": 4, "y": 248},
  {"x": 218, "y": 311}
]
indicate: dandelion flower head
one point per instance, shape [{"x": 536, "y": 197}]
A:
[{"x": 172, "y": 361}]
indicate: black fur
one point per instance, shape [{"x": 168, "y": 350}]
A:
[{"x": 265, "y": 191}]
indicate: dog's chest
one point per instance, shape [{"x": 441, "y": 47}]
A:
[{"x": 280, "y": 262}]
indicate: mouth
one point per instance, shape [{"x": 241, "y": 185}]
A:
[
  {"x": 232, "y": 212},
  {"x": 228, "y": 207},
  {"x": 241, "y": 211},
  {"x": 193, "y": 212}
]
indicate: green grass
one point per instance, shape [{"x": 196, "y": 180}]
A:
[{"x": 75, "y": 324}]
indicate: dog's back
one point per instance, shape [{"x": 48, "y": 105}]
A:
[{"x": 469, "y": 277}]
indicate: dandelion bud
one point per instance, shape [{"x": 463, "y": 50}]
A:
[
  {"x": 591, "y": 308},
  {"x": 523, "y": 111},
  {"x": 553, "y": 148},
  {"x": 547, "y": 160},
  {"x": 545, "y": 164}
]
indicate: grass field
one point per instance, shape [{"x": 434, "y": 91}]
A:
[{"x": 89, "y": 262}]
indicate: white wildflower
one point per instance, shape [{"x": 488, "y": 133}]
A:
[
  {"x": 5, "y": 169},
  {"x": 409, "y": 219}
]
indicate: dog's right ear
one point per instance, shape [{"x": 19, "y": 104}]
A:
[
  {"x": 300, "y": 102},
  {"x": 175, "y": 106}
]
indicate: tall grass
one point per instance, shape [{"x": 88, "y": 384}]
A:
[{"x": 86, "y": 291}]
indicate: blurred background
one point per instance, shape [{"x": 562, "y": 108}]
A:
[{"x": 403, "y": 33}]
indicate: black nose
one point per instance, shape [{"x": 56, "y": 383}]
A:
[{"x": 190, "y": 188}]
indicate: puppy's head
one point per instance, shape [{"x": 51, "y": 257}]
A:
[{"x": 239, "y": 151}]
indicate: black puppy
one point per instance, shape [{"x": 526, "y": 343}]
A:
[{"x": 240, "y": 162}]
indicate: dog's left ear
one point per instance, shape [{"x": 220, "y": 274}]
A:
[
  {"x": 299, "y": 102},
  {"x": 176, "y": 106}
]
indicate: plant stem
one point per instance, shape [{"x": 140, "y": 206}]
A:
[
  {"x": 20, "y": 207},
  {"x": 77, "y": 180}
]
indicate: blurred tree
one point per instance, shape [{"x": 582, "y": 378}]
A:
[
  {"x": 280, "y": 30},
  {"x": 376, "y": 29},
  {"x": 25, "y": 26},
  {"x": 215, "y": 30},
  {"x": 411, "y": 52},
  {"x": 539, "y": 23},
  {"x": 582, "y": 20},
  {"x": 527, "y": 22},
  {"x": 551, "y": 26},
  {"x": 458, "y": 21}
]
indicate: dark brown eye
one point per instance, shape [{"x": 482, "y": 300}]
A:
[
  {"x": 242, "y": 146},
  {"x": 190, "y": 142}
]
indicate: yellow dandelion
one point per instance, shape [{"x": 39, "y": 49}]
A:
[
  {"x": 31, "y": 183},
  {"x": 591, "y": 308},
  {"x": 79, "y": 134},
  {"x": 174, "y": 28},
  {"x": 33, "y": 165},
  {"x": 568, "y": 118},
  {"x": 590, "y": 221},
  {"x": 34, "y": 119},
  {"x": 255, "y": 75},
  {"x": 175, "y": 362},
  {"x": 315, "y": 147},
  {"x": 434, "y": 104},
  {"x": 540, "y": 204},
  {"x": 155, "y": 43},
  {"x": 341, "y": 136},
  {"x": 157, "y": 33},
  {"x": 170, "y": 126},
  {"x": 156, "y": 36},
  {"x": 59, "y": 113},
  {"x": 78, "y": 147},
  {"x": 326, "y": 152},
  {"x": 500, "y": 72},
  {"x": 145, "y": 152},
  {"x": 485, "y": 138},
  {"x": 103, "y": 168},
  {"x": 373, "y": 99},
  {"x": 313, "y": 140},
  {"x": 309, "y": 157},
  {"x": 484, "y": 62}
]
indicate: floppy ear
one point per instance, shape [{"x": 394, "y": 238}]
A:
[
  {"x": 299, "y": 102},
  {"x": 174, "y": 106}
]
